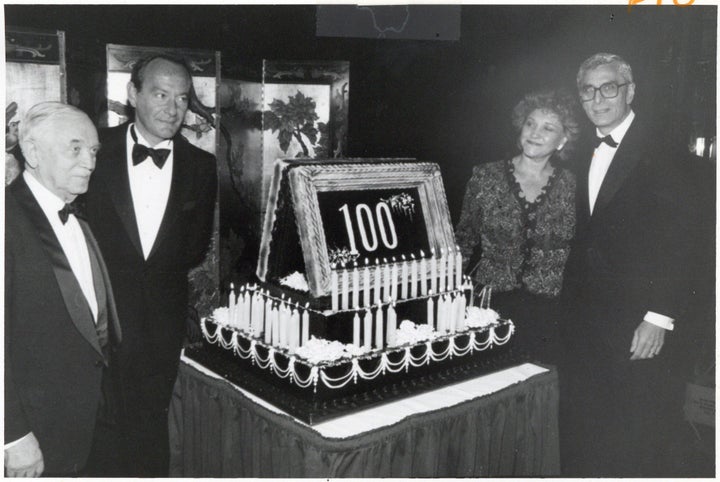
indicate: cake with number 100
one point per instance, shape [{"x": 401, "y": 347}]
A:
[{"x": 360, "y": 297}]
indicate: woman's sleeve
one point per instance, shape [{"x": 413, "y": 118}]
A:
[{"x": 468, "y": 229}]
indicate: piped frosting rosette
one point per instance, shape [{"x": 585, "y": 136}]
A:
[{"x": 476, "y": 317}]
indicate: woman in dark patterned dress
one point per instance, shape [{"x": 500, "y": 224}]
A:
[{"x": 518, "y": 219}]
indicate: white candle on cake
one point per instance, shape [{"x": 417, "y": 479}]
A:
[
  {"x": 393, "y": 279},
  {"x": 239, "y": 308},
  {"x": 285, "y": 330},
  {"x": 366, "y": 284},
  {"x": 247, "y": 312},
  {"x": 440, "y": 319},
  {"x": 264, "y": 311},
  {"x": 458, "y": 267},
  {"x": 452, "y": 312},
  {"x": 391, "y": 325},
  {"x": 356, "y": 329},
  {"x": 246, "y": 303},
  {"x": 345, "y": 288},
  {"x": 281, "y": 325},
  {"x": 441, "y": 275},
  {"x": 413, "y": 276},
  {"x": 461, "y": 311},
  {"x": 294, "y": 330},
  {"x": 356, "y": 287},
  {"x": 305, "y": 321},
  {"x": 258, "y": 319},
  {"x": 442, "y": 314},
  {"x": 231, "y": 305},
  {"x": 450, "y": 269},
  {"x": 430, "y": 311},
  {"x": 447, "y": 315},
  {"x": 404, "y": 281},
  {"x": 275, "y": 316},
  {"x": 367, "y": 329},
  {"x": 469, "y": 285},
  {"x": 423, "y": 274},
  {"x": 433, "y": 271},
  {"x": 333, "y": 288},
  {"x": 378, "y": 282},
  {"x": 254, "y": 310},
  {"x": 386, "y": 280},
  {"x": 268, "y": 328},
  {"x": 379, "y": 327}
]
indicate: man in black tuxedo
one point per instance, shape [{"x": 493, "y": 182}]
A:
[
  {"x": 625, "y": 288},
  {"x": 151, "y": 204},
  {"x": 61, "y": 326}
]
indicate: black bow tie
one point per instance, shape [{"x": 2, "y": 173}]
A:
[
  {"x": 607, "y": 140},
  {"x": 141, "y": 152},
  {"x": 69, "y": 209}
]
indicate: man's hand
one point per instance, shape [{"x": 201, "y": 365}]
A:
[
  {"x": 647, "y": 341},
  {"x": 24, "y": 459}
]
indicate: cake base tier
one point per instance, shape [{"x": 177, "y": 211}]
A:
[{"x": 313, "y": 407}]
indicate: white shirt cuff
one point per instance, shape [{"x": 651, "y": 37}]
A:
[
  {"x": 659, "y": 320},
  {"x": 15, "y": 442}
]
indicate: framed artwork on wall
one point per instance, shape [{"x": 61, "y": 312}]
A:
[
  {"x": 298, "y": 110},
  {"x": 34, "y": 72},
  {"x": 305, "y": 106},
  {"x": 240, "y": 172}
]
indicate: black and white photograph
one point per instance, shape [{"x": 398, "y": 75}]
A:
[{"x": 360, "y": 240}]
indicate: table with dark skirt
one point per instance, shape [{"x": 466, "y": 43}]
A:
[{"x": 501, "y": 424}]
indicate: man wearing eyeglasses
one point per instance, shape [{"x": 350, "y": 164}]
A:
[{"x": 625, "y": 286}]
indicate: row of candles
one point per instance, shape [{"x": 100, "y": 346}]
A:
[
  {"x": 413, "y": 276},
  {"x": 285, "y": 324},
  {"x": 280, "y": 322},
  {"x": 445, "y": 315}
]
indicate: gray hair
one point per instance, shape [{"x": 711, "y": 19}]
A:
[
  {"x": 38, "y": 116},
  {"x": 604, "y": 58}
]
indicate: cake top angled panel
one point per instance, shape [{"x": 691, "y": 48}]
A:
[{"x": 325, "y": 216}]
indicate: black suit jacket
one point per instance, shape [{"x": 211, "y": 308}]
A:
[
  {"x": 53, "y": 361},
  {"x": 632, "y": 255},
  {"x": 152, "y": 294}
]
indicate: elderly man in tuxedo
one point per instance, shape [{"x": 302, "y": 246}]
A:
[
  {"x": 61, "y": 326},
  {"x": 151, "y": 204},
  {"x": 625, "y": 287}
]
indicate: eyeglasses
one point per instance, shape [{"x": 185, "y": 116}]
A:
[{"x": 608, "y": 90}]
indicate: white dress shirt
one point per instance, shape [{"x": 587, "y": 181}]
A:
[
  {"x": 602, "y": 158},
  {"x": 73, "y": 243},
  {"x": 71, "y": 238},
  {"x": 150, "y": 190}
]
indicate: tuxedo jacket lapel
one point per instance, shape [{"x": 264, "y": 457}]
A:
[
  {"x": 115, "y": 177},
  {"x": 622, "y": 165},
  {"x": 113, "y": 320},
  {"x": 582, "y": 199},
  {"x": 72, "y": 295}
]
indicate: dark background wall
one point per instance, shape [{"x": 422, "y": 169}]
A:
[{"x": 444, "y": 101}]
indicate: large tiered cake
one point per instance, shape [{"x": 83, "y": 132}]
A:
[{"x": 360, "y": 295}]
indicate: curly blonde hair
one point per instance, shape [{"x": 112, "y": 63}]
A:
[{"x": 560, "y": 103}]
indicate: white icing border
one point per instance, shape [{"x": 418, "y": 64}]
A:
[{"x": 318, "y": 372}]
